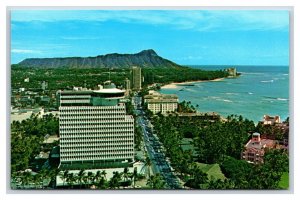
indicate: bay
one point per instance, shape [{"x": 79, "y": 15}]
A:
[{"x": 259, "y": 90}]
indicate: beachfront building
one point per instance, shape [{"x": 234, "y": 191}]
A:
[
  {"x": 95, "y": 132},
  {"x": 136, "y": 78},
  {"x": 163, "y": 103},
  {"x": 231, "y": 71},
  {"x": 256, "y": 147},
  {"x": 275, "y": 128},
  {"x": 271, "y": 120}
]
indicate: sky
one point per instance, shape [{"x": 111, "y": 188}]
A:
[{"x": 186, "y": 37}]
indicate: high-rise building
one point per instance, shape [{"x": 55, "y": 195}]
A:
[
  {"x": 127, "y": 84},
  {"x": 95, "y": 131},
  {"x": 136, "y": 78}
]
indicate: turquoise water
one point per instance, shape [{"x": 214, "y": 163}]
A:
[{"x": 259, "y": 90}]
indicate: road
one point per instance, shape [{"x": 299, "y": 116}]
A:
[{"x": 155, "y": 150}]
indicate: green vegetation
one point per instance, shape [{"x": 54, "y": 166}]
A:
[
  {"x": 26, "y": 139},
  {"x": 217, "y": 144},
  {"x": 156, "y": 182},
  {"x": 81, "y": 180},
  {"x": 180, "y": 74},
  {"x": 284, "y": 181},
  {"x": 186, "y": 107},
  {"x": 62, "y": 78},
  {"x": 213, "y": 171}
]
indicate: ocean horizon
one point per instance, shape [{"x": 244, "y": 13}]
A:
[{"x": 258, "y": 91}]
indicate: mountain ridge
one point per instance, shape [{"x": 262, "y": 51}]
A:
[{"x": 144, "y": 58}]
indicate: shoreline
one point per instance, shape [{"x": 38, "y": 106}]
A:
[{"x": 176, "y": 84}]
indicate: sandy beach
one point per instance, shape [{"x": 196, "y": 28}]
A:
[{"x": 175, "y": 85}]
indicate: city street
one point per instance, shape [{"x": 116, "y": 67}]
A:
[{"x": 154, "y": 148}]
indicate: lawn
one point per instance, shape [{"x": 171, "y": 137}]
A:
[
  {"x": 212, "y": 170},
  {"x": 284, "y": 182}
]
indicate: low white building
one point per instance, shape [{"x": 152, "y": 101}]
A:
[{"x": 163, "y": 103}]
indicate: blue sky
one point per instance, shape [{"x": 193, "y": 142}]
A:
[{"x": 203, "y": 37}]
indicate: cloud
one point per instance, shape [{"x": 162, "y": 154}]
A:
[
  {"x": 25, "y": 51},
  {"x": 198, "y": 20}
]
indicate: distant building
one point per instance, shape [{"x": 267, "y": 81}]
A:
[
  {"x": 44, "y": 85},
  {"x": 231, "y": 71},
  {"x": 26, "y": 80},
  {"x": 45, "y": 100},
  {"x": 163, "y": 103},
  {"x": 136, "y": 78},
  {"x": 255, "y": 149},
  {"x": 271, "y": 120},
  {"x": 95, "y": 132},
  {"x": 127, "y": 84}
]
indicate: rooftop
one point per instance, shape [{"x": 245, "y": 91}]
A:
[
  {"x": 264, "y": 143},
  {"x": 109, "y": 91},
  {"x": 162, "y": 100}
]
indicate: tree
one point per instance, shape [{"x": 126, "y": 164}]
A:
[
  {"x": 155, "y": 182},
  {"x": 26, "y": 178},
  {"x": 97, "y": 177},
  {"x": 64, "y": 175},
  {"x": 37, "y": 180},
  {"x": 134, "y": 176},
  {"x": 115, "y": 180},
  {"x": 125, "y": 173},
  {"x": 90, "y": 177},
  {"x": 103, "y": 173},
  {"x": 80, "y": 176},
  {"x": 71, "y": 179},
  {"x": 53, "y": 174},
  {"x": 102, "y": 183},
  {"x": 148, "y": 165}
]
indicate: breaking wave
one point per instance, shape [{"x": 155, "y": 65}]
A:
[
  {"x": 269, "y": 81},
  {"x": 281, "y": 99}
]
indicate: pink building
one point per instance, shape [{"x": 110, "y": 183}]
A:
[{"x": 255, "y": 149}]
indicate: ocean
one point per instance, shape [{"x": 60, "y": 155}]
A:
[{"x": 259, "y": 90}]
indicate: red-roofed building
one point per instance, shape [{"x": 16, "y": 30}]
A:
[{"x": 255, "y": 149}]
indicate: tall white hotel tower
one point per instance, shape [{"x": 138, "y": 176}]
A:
[{"x": 95, "y": 132}]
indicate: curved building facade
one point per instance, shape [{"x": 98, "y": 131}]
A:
[{"x": 95, "y": 130}]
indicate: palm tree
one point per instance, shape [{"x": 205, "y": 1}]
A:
[
  {"x": 134, "y": 176},
  {"x": 115, "y": 180},
  {"x": 64, "y": 175},
  {"x": 97, "y": 177},
  {"x": 125, "y": 173},
  {"x": 156, "y": 182},
  {"x": 90, "y": 177},
  {"x": 80, "y": 176},
  {"x": 71, "y": 179},
  {"x": 53, "y": 174},
  {"x": 103, "y": 173},
  {"x": 147, "y": 165},
  {"x": 102, "y": 183}
]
